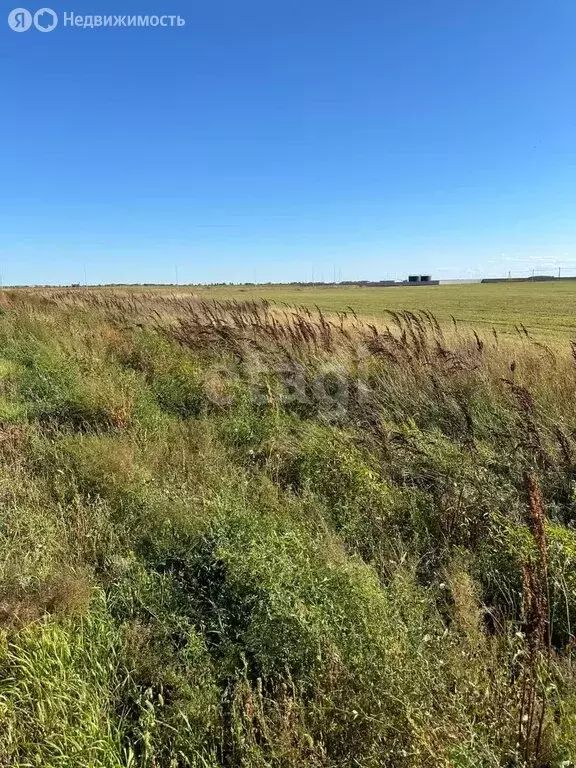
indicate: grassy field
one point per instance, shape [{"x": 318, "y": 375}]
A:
[
  {"x": 547, "y": 310},
  {"x": 233, "y": 536}
]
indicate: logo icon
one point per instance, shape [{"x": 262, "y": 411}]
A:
[
  {"x": 45, "y": 20},
  {"x": 20, "y": 20}
]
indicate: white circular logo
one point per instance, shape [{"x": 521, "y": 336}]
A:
[
  {"x": 45, "y": 20},
  {"x": 20, "y": 20}
]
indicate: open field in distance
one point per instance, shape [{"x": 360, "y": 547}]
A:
[{"x": 547, "y": 310}]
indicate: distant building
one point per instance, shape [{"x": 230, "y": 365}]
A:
[{"x": 421, "y": 280}]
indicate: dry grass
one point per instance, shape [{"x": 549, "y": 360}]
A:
[{"x": 243, "y": 534}]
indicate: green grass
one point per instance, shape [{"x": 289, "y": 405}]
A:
[
  {"x": 546, "y": 309},
  {"x": 228, "y": 540}
]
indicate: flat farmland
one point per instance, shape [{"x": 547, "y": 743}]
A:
[{"x": 545, "y": 309}]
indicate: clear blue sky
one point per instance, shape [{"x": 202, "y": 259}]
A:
[{"x": 277, "y": 139}]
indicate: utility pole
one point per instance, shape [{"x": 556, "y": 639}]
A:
[{"x": 176, "y": 272}]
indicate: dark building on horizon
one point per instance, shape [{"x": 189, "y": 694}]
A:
[{"x": 421, "y": 280}]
